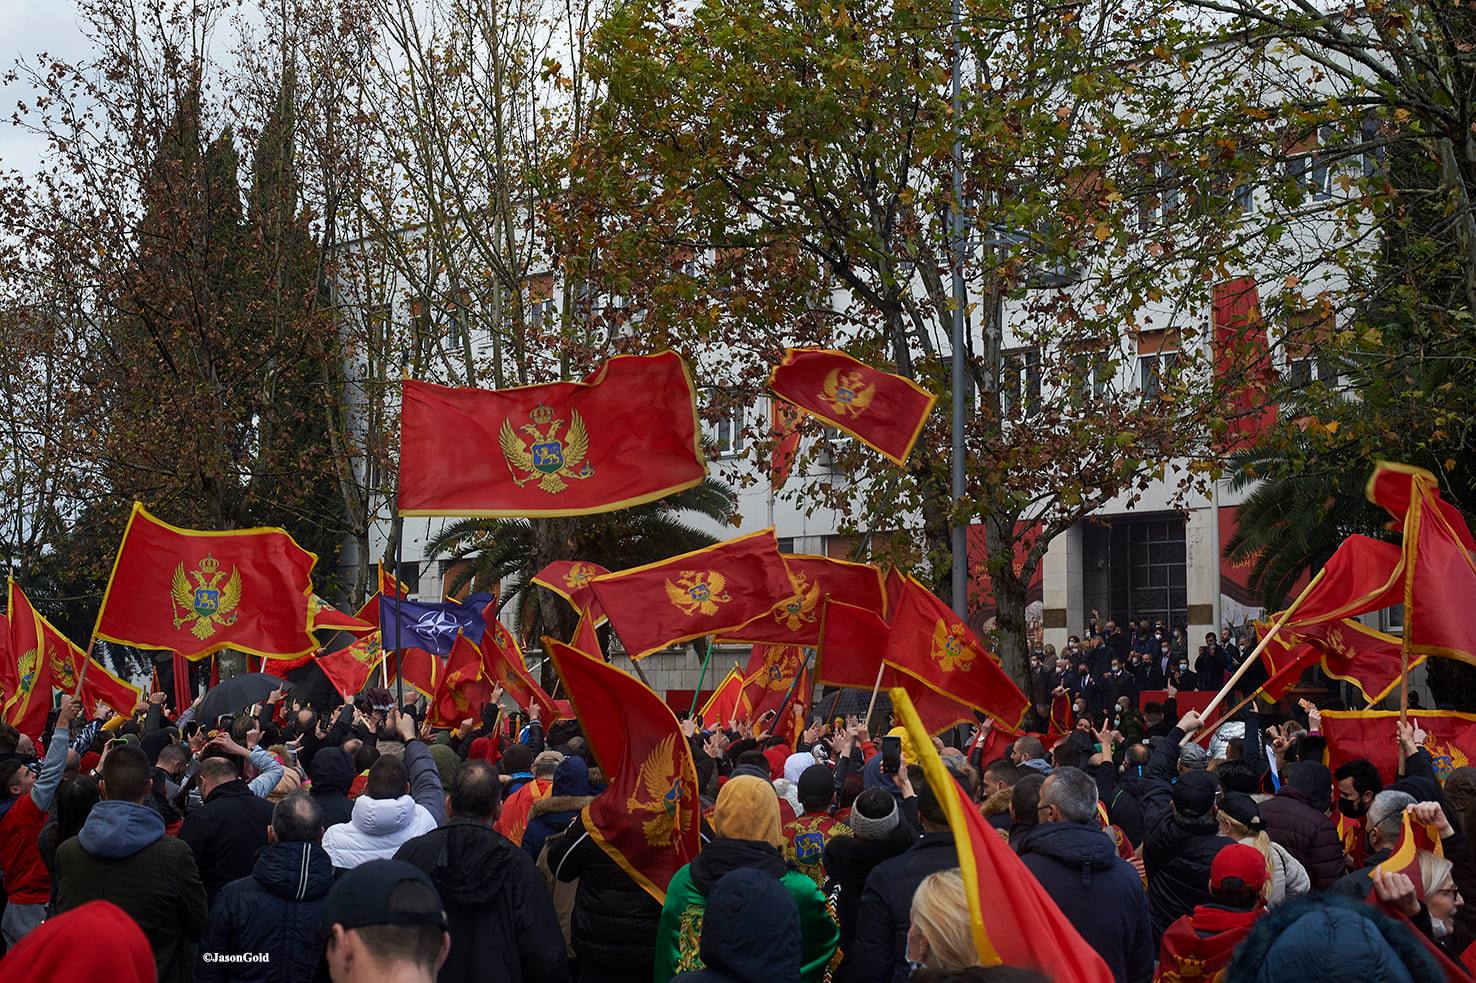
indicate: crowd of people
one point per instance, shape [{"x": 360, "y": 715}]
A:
[{"x": 358, "y": 843}]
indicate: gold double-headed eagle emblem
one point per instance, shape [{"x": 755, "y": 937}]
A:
[
  {"x": 547, "y": 457},
  {"x": 659, "y": 793},
  {"x": 579, "y": 575},
  {"x": 206, "y": 604},
  {"x": 952, "y": 647},
  {"x": 801, "y": 609},
  {"x": 847, "y": 392},
  {"x": 698, "y": 592}
]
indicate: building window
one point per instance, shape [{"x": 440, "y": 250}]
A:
[
  {"x": 377, "y": 322},
  {"x": 1090, "y": 376},
  {"x": 1304, "y": 371},
  {"x": 786, "y": 544},
  {"x": 1153, "y": 371},
  {"x": 727, "y": 433},
  {"x": 1020, "y": 383},
  {"x": 1157, "y": 571},
  {"x": 456, "y": 325},
  {"x": 1308, "y": 167},
  {"x": 1373, "y": 157}
]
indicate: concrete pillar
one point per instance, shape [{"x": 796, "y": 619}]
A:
[
  {"x": 1202, "y": 576},
  {"x": 1061, "y": 587}
]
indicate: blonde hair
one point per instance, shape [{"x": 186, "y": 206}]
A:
[
  {"x": 940, "y": 909},
  {"x": 1434, "y": 870},
  {"x": 1241, "y": 833}
]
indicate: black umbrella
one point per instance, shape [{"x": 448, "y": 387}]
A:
[{"x": 236, "y": 693}]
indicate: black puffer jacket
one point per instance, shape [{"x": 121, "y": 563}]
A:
[
  {"x": 225, "y": 833},
  {"x": 879, "y": 951},
  {"x": 1177, "y": 850},
  {"x": 332, "y": 773},
  {"x": 502, "y": 920},
  {"x": 276, "y": 911},
  {"x": 615, "y": 922},
  {"x": 849, "y": 860}
]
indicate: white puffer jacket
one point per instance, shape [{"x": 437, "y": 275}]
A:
[{"x": 377, "y": 829}]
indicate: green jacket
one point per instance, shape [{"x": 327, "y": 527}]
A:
[{"x": 680, "y": 933}]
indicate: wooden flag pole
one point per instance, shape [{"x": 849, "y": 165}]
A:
[
  {"x": 82, "y": 671},
  {"x": 876, "y": 688}
]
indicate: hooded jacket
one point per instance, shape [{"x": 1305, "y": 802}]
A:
[
  {"x": 501, "y": 918},
  {"x": 743, "y": 906},
  {"x": 274, "y": 910},
  {"x": 552, "y": 814},
  {"x": 378, "y": 827},
  {"x": 225, "y": 833},
  {"x": 1324, "y": 937},
  {"x": 332, "y": 772},
  {"x": 94, "y": 942},
  {"x": 1296, "y": 823},
  {"x": 122, "y": 855},
  {"x": 1098, "y": 891}
]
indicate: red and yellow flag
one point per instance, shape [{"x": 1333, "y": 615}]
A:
[
  {"x": 7, "y": 662},
  {"x": 103, "y": 688},
  {"x": 349, "y": 668},
  {"x": 464, "y": 687},
  {"x": 326, "y": 617},
  {"x": 706, "y": 592},
  {"x": 389, "y": 587},
  {"x": 571, "y": 579},
  {"x": 504, "y": 660},
  {"x": 852, "y": 653},
  {"x": 627, "y": 434},
  {"x": 930, "y": 643},
  {"x": 1404, "y": 858},
  {"x": 1014, "y": 920},
  {"x": 784, "y": 420},
  {"x": 769, "y": 675},
  {"x": 422, "y": 670},
  {"x": 648, "y": 818},
  {"x": 1362, "y": 575},
  {"x": 883, "y": 411},
  {"x": 196, "y": 593},
  {"x": 1450, "y": 737},
  {"x": 813, "y": 579},
  {"x": 26, "y": 705},
  {"x": 726, "y": 702},
  {"x": 586, "y": 639},
  {"x": 1347, "y": 650}
]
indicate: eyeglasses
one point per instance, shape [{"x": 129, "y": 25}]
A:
[{"x": 1452, "y": 892}]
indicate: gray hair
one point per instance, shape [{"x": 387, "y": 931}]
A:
[
  {"x": 1073, "y": 792},
  {"x": 297, "y": 819},
  {"x": 547, "y": 763},
  {"x": 1386, "y": 812}
]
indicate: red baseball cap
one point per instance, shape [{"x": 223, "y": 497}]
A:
[{"x": 1237, "y": 868}]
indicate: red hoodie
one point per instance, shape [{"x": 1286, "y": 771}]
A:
[{"x": 93, "y": 942}]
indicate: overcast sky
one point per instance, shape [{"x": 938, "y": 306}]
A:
[{"x": 26, "y": 28}]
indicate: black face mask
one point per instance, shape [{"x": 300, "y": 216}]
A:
[{"x": 1352, "y": 808}]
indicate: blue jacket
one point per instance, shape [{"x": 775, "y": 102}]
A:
[
  {"x": 1098, "y": 892},
  {"x": 750, "y": 931},
  {"x": 552, "y": 814},
  {"x": 1325, "y": 938},
  {"x": 276, "y": 911},
  {"x": 880, "y": 949}
]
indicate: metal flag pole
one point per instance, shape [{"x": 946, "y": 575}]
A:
[
  {"x": 399, "y": 534},
  {"x": 701, "y": 677},
  {"x": 809, "y": 654},
  {"x": 960, "y": 346}
]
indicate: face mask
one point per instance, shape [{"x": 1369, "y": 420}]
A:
[
  {"x": 1183, "y": 667},
  {"x": 1352, "y": 808}
]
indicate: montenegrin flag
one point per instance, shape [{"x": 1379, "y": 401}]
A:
[
  {"x": 326, "y": 617},
  {"x": 884, "y": 411},
  {"x": 195, "y": 592},
  {"x": 648, "y": 819},
  {"x": 465, "y": 686},
  {"x": 571, "y": 579},
  {"x": 350, "y": 667},
  {"x": 503, "y": 658},
  {"x": 726, "y": 702},
  {"x": 1014, "y": 920},
  {"x": 1450, "y": 737},
  {"x": 706, "y": 592},
  {"x": 853, "y": 645},
  {"x": 25, "y": 707},
  {"x": 767, "y": 679},
  {"x": 1348, "y": 650},
  {"x": 796, "y": 619},
  {"x": 627, "y": 434},
  {"x": 930, "y": 643}
]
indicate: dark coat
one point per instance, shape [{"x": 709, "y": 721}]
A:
[
  {"x": 225, "y": 833},
  {"x": 123, "y": 856},
  {"x": 332, "y": 773},
  {"x": 744, "y": 907},
  {"x": 550, "y": 816},
  {"x": 1325, "y": 937},
  {"x": 849, "y": 861},
  {"x": 879, "y": 952},
  {"x": 1098, "y": 892},
  {"x": 1306, "y": 834},
  {"x": 615, "y": 922},
  {"x": 502, "y": 920},
  {"x": 275, "y": 910},
  {"x": 1116, "y": 686},
  {"x": 1120, "y": 794},
  {"x": 1177, "y": 850}
]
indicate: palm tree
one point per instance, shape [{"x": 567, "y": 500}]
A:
[{"x": 509, "y": 552}]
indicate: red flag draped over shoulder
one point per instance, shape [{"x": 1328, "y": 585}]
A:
[
  {"x": 706, "y": 592},
  {"x": 571, "y": 579},
  {"x": 796, "y": 620},
  {"x": 1014, "y": 920},
  {"x": 1450, "y": 737},
  {"x": 196, "y": 593},
  {"x": 647, "y": 820},
  {"x": 929, "y": 642},
  {"x": 882, "y": 410},
  {"x": 627, "y": 434}
]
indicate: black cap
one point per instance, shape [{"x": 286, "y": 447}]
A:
[
  {"x": 1194, "y": 793},
  {"x": 361, "y": 897},
  {"x": 1243, "y": 809}
]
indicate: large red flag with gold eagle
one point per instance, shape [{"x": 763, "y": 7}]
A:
[
  {"x": 884, "y": 411},
  {"x": 627, "y": 434},
  {"x": 195, "y": 593},
  {"x": 768, "y": 677},
  {"x": 349, "y": 668},
  {"x": 648, "y": 818},
  {"x": 1450, "y": 737},
  {"x": 26, "y": 705},
  {"x": 1347, "y": 650},
  {"x": 796, "y": 619},
  {"x": 706, "y": 592},
  {"x": 930, "y": 643},
  {"x": 1014, "y": 920},
  {"x": 571, "y": 579}
]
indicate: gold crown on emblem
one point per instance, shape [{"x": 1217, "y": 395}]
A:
[
  {"x": 541, "y": 414},
  {"x": 209, "y": 565}
]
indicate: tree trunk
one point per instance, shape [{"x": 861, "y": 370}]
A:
[{"x": 1009, "y": 596}]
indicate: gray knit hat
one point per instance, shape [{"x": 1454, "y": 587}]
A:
[{"x": 867, "y": 818}]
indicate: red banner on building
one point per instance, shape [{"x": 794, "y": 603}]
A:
[{"x": 627, "y": 434}]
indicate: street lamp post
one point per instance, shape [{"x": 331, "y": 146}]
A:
[{"x": 960, "y": 346}]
